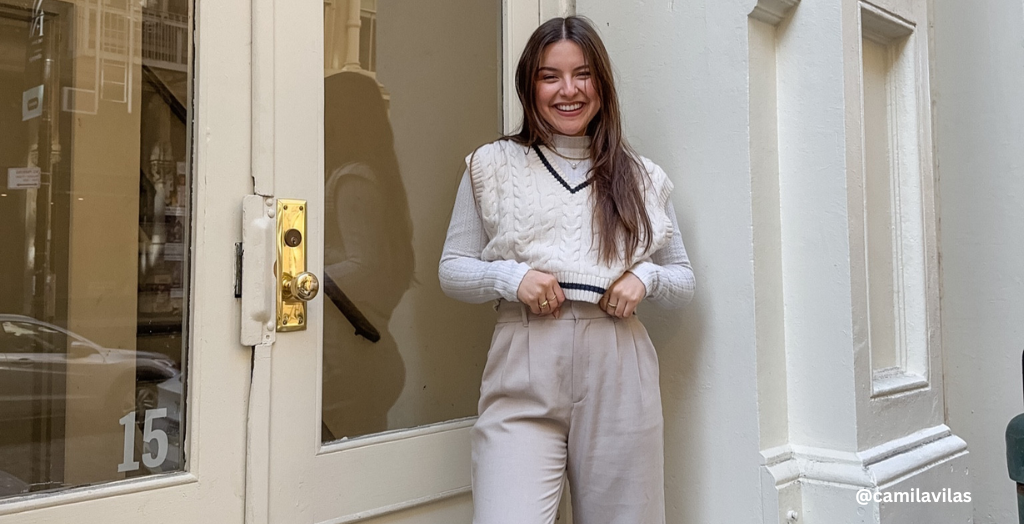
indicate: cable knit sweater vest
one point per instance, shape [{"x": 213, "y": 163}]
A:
[{"x": 534, "y": 216}]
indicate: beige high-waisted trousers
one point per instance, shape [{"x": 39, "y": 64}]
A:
[{"x": 577, "y": 395}]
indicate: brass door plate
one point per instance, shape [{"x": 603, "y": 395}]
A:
[{"x": 291, "y": 261}]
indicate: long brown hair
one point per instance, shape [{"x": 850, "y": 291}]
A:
[{"x": 617, "y": 176}]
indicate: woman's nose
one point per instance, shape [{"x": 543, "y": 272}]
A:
[{"x": 569, "y": 87}]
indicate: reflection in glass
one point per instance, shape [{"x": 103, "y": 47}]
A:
[
  {"x": 368, "y": 257},
  {"x": 404, "y": 102},
  {"x": 94, "y": 221}
]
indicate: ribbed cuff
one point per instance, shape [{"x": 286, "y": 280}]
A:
[
  {"x": 508, "y": 284},
  {"x": 647, "y": 272}
]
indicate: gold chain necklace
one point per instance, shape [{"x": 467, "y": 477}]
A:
[{"x": 569, "y": 159}]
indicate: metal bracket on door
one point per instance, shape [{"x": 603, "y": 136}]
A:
[{"x": 257, "y": 271}]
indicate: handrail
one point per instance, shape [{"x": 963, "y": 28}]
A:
[
  {"x": 355, "y": 317},
  {"x": 165, "y": 93}
]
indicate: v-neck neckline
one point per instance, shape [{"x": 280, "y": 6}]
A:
[{"x": 558, "y": 176}]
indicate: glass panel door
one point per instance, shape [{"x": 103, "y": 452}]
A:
[
  {"x": 376, "y": 398},
  {"x": 120, "y": 365},
  {"x": 404, "y": 101},
  {"x": 94, "y": 219}
]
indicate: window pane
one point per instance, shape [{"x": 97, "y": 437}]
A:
[
  {"x": 395, "y": 138},
  {"x": 94, "y": 220}
]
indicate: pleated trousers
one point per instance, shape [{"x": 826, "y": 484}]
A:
[{"x": 576, "y": 396}]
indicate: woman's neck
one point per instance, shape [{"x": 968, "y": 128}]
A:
[{"x": 574, "y": 146}]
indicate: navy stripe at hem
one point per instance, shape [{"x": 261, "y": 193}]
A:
[{"x": 582, "y": 287}]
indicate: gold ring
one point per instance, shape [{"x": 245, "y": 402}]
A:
[
  {"x": 613, "y": 306},
  {"x": 544, "y": 304}
]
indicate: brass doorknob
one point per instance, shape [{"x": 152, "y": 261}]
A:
[{"x": 303, "y": 286}]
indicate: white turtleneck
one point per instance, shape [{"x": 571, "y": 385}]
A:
[{"x": 667, "y": 276}]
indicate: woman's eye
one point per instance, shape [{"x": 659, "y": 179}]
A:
[{"x": 585, "y": 74}]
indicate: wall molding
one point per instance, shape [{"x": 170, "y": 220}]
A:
[
  {"x": 879, "y": 466},
  {"x": 772, "y": 11},
  {"x": 519, "y": 19},
  {"x": 556, "y": 8},
  {"x": 883, "y": 25}
]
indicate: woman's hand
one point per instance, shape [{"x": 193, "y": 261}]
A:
[
  {"x": 541, "y": 292},
  {"x": 622, "y": 297}
]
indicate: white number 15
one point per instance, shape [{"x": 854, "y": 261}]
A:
[{"x": 148, "y": 434}]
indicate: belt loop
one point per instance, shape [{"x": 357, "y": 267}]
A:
[{"x": 526, "y": 313}]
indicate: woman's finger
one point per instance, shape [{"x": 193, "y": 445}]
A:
[
  {"x": 555, "y": 303},
  {"x": 613, "y": 304},
  {"x": 558, "y": 294},
  {"x": 629, "y": 307},
  {"x": 551, "y": 295},
  {"x": 545, "y": 306}
]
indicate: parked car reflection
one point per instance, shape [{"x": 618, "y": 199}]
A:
[
  {"x": 11, "y": 485},
  {"x": 36, "y": 359}
]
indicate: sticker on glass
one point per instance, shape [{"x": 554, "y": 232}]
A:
[
  {"x": 23, "y": 177},
  {"x": 32, "y": 103}
]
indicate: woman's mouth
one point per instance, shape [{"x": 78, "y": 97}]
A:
[{"x": 569, "y": 109}]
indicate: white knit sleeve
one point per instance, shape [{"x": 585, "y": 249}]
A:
[
  {"x": 463, "y": 275},
  {"x": 668, "y": 275}
]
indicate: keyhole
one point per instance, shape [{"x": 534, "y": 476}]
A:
[{"x": 292, "y": 237}]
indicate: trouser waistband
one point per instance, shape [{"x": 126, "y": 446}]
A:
[{"x": 571, "y": 310}]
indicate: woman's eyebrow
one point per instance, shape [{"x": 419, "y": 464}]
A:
[{"x": 555, "y": 69}]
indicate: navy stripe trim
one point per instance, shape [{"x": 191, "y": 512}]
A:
[
  {"x": 582, "y": 287},
  {"x": 561, "y": 180}
]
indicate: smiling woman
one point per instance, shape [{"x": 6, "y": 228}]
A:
[
  {"x": 566, "y": 97},
  {"x": 569, "y": 230}
]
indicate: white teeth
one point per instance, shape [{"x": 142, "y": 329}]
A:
[{"x": 569, "y": 107}]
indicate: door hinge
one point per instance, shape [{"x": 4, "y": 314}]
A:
[{"x": 238, "y": 270}]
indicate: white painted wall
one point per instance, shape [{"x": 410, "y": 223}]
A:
[
  {"x": 682, "y": 74},
  {"x": 978, "y": 71}
]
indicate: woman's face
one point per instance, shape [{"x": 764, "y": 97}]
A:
[{"x": 565, "y": 94}]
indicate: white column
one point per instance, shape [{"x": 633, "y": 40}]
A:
[
  {"x": 556, "y": 8},
  {"x": 858, "y": 260},
  {"x": 352, "y": 34},
  {"x": 780, "y": 491}
]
